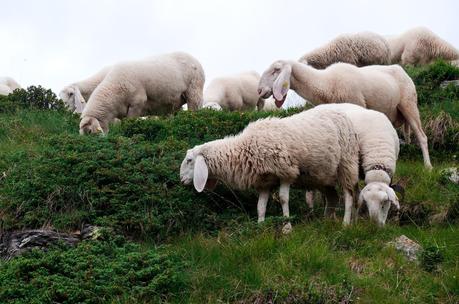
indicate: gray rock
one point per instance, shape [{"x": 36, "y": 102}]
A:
[
  {"x": 15, "y": 243},
  {"x": 409, "y": 247},
  {"x": 446, "y": 83}
]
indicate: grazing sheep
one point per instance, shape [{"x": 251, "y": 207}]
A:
[
  {"x": 387, "y": 89},
  {"x": 76, "y": 94},
  {"x": 360, "y": 49},
  {"x": 160, "y": 84},
  {"x": 235, "y": 93},
  {"x": 420, "y": 46},
  {"x": 379, "y": 148},
  {"x": 314, "y": 149},
  {"x": 8, "y": 85}
]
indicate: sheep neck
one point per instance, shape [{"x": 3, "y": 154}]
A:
[{"x": 308, "y": 82}]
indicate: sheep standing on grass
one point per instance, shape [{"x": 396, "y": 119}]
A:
[
  {"x": 387, "y": 89},
  {"x": 8, "y": 85},
  {"x": 420, "y": 46},
  {"x": 234, "y": 93},
  {"x": 379, "y": 148},
  {"x": 160, "y": 84},
  {"x": 360, "y": 49},
  {"x": 315, "y": 149},
  {"x": 76, "y": 94}
]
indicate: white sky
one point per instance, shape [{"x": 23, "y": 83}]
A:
[{"x": 56, "y": 42}]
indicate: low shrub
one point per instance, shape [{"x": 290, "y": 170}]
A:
[
  {"x": 93, "y": 272},
  {"x": 32, "y": 98}
]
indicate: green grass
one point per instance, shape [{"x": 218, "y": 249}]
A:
[{"x": 320, "y": 262}]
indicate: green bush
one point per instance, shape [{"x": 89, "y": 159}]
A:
[
  {"x": 428, "y": 79},
  {"x": 32, "y": 98},
  {"x": 93, "y": 272}
]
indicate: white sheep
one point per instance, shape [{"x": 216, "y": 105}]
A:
[
  {"x": 360, "y": 49},
  {"x": 160, "y": 84},
  {"x": 420, "y": 46},
  {"x": 379, "y": 148},
  {"x": 314, "y": 149},
  {"x": 235, "y": 93},
  {"x": 8, "y": 85},
  {"x": 387, "y": 89},
  {"x": 76, "y": 94}
]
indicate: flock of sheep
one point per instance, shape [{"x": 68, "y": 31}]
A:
[{"x": 360, "y": 90}]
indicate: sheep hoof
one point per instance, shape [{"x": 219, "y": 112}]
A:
[{"x": 287, "y": 228}]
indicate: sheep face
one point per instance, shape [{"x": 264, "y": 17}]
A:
[
  {"x": 194, "y": 169},
  {"x": 378, "y": 197},
  {"x": 276, "y": 81},
  {"x": 67, "y": 96},
  {"x": 72, "y": 97},
  {"x": 90, "y": 125}
]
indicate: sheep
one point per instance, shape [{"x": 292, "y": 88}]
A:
[
  {"x": 315, "y": 149},
  {"x": 420, "y": 46},
  {"x": 378, "y": 148},
  {"x": 76, "y": 94},
  {"x": 160, "y": 84},
  {"x": 8, "y": 85},
  {"x": 360, "y": 49},
  {"x": 235, "y": 93},
  {"x": 387, "y": 89}
]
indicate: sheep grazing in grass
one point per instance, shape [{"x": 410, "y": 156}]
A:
[
  {"x": 8, "y": 85},
  {"x": 420, "y": 46},
  {"x": 314, "y": 149},
  {"x": 160, "y": 84},
  {"x": 235, "y": 93},
  {"x": 378, "y": 148},
  {"x": 360, "y": 49},
  {"x": 387, "y": 89},
  {"x": 76, "y": 94}
]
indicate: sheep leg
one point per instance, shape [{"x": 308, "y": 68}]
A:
[
  {"x": 412, "y": 117},
  {"x": 407, "y": 133},
  {"x": 284, "y": 197},
  {"x": 193, "y": 94},
  {"x": 262, "y": 203},
  {"x": 349, "y": 202},
  {"x": 309, "y": 197},
  {"x": 137, "y": 105},
  {"x": 260, "y": 104}
]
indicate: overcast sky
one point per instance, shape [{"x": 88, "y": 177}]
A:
[{"x": 56, "y": 42}]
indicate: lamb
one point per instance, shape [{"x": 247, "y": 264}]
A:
[
  {"x": 160, "y": 84},
  {"x": 379, "y": 148},
  {"x": 387, "y": 89},
  {"x": 76, "y": 94},
  {"x": 235, "y": 93},
  {"x": 420, "y": 46},
  {"x": 8, "y": 85},
  {"x": 360, "y": 49},
  {"x": 315, "y": 149}
]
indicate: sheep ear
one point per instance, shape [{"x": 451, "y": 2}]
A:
[
  {"x": 282, "y": 83},
  {"x": 201, "y": 173},
  {"x": 393, "y": 197},
  {"x": 79, "y": 100}
]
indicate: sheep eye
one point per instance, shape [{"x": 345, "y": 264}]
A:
[
  {"x": 188, "y": 161},
  {"x": 70, "y": 94}
]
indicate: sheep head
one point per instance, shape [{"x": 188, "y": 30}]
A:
[
  {"x": 72, "y": 97},
  {"x": 378, "y": 197},
  {"x": 276, "y": 81},
  {"x": 194, "y": 169},
  {"x": 90, "y": 125}
]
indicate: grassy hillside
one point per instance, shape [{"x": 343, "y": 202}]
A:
[{"x": 164, "y": 242}]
